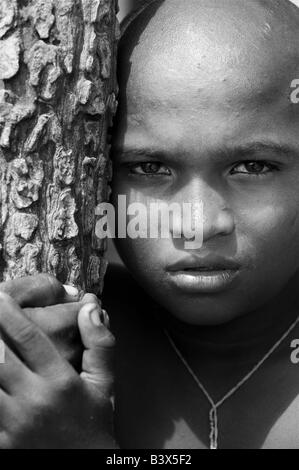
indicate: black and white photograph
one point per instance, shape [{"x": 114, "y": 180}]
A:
[{"x": 149, "y": 227}]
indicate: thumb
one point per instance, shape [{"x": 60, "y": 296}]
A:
[{"x": 98, "y": 343}]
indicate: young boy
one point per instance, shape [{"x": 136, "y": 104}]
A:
[
  {"x": 205, "y": 115},
  {"x": 203, "y": 337}
]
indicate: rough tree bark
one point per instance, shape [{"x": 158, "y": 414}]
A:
[{"x": 57, "y": 99}]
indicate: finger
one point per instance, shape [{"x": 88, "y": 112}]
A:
[
  {"x": 58, "y": 321},
  {"x": 106, "y": 319},
  {"x": 5, "y": 409},
  {"x": 97, "y": 362},
  {"x": 39, "y": 291},
  {"x": 60, "y": 324},
  {"x": 27, "y": 340},
  {"x": 93, "y": 299},
  {"x": 15, "y": 377}
]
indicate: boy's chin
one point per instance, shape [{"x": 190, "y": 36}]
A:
[
  {"x": 210, "y": 312},
  {"x": 207, "y": 318}
]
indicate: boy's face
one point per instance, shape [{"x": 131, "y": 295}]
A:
[{"x": 209, "y": 108}]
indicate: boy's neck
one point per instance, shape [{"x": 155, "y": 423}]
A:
[{"x": 247, "y": 336}]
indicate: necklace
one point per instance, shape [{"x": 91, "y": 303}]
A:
[{"x": 213, "y": 415}]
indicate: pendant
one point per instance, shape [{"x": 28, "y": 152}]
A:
[{"x": 214, "y": 429}]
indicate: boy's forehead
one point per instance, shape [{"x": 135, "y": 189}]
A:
[{"x": 201, "y": 52}]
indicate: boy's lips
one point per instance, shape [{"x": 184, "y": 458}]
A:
[{"x": 203, "y": 275}]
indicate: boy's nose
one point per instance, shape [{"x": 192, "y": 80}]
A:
[
  {"x": 218, "y": 222},
  {"x": 217, "y": 218}
]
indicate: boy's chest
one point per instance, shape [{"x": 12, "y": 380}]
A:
[
  {"x": 285, "y": 432},
  {"x": 160, "y": 407},
  {"x": 150, "y": 417}
]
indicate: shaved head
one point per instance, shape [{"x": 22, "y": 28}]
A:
[
  {"x": 252, "y": 43},
  {"x": 231, "y": 18},
  {"x": 200, "y": 53}
]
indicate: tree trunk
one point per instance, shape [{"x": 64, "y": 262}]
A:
[{"x": 57, "y": 99}]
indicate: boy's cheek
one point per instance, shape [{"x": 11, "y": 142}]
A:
[
  {"x": 275, "y": 226},
  {"x": 269, "y": 241},
  {"x": 144, "y": 255}
]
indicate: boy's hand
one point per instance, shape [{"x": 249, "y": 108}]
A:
[
  {"x": 39, "y": 291},
  {"x": 44, "y": 403},
  {"x": 54, "y": 308}
]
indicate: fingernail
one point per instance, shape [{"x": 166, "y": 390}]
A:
[
  {"x": 106, "y": 318},
  {"x": 95, "y": 317},
  {"x": 4, "y": 297},
  {"x": 72, "y": 291}
]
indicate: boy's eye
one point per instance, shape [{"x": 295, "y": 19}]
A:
[
  {"x": 253, "y": 168},
  {"x": 149, "y": 169}
]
